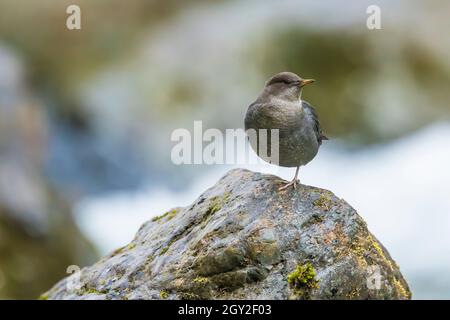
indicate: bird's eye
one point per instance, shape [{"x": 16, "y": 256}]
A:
[
  {"x": 294, "y": 82},
  {"x": 286, "y": 81}
]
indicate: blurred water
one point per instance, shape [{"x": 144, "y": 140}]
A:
[{"x": 400, "y": 189}]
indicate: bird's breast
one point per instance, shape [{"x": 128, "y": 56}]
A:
[
  {"x": 276, "y": 115},
  {"x": 297, "y": 142}
]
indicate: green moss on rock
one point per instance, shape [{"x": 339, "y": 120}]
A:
[
  {"x": 302, "y": 280},
  {"x": 43, "y": 296},
  {"x": 201, "y": 280},
  {"x": 216, "y": 204},
  {"x": 169, "y": 214},
  {"x": 164, "y": 294},
  {"x": 325, "y": 202}
]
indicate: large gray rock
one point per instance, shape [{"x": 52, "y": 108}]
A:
[{"x": 243, "y": 239}]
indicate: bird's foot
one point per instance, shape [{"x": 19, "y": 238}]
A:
[{"x": 292, "y": 183}]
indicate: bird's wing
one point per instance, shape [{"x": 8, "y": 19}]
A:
[{"x": 313, "y": 115}]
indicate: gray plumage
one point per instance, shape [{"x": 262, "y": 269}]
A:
[{"x": 279, "y": 106}]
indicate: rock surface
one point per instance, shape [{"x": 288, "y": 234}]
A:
[{"x": 243, "y": 239}]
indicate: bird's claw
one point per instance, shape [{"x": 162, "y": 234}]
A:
[{"x": 287, "y": 185}]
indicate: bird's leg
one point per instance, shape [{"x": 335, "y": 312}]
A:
[{"x": 293, "y": 182}]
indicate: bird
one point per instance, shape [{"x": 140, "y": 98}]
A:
[{"x": 280, "y": 106}]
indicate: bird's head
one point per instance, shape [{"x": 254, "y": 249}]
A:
[{"x": 286, "y": 85}]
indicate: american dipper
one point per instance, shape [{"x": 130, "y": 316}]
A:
[{"x": 279, "y": 106}]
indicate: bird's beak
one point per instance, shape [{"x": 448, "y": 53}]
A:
[{"x": 306, "y": 81}]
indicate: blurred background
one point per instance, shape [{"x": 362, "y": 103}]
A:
[{"x": 86, "y": 117}]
